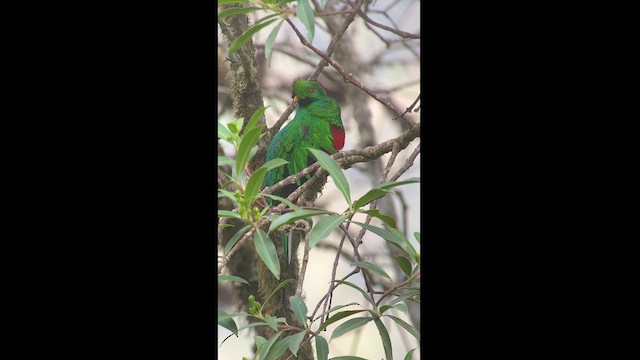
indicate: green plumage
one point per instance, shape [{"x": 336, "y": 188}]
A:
[{"x": 317, "y": 124}]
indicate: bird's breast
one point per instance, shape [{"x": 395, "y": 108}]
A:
[{"x": 338, "y": 137}]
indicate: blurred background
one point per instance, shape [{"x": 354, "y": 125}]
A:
[{"x": 389, "y": 65}]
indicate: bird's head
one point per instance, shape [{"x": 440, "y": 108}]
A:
[{"x": 305, "y": 91}]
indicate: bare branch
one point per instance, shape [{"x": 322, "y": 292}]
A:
[{"x": 401, "y": 33}]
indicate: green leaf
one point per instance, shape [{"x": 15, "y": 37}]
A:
[
  {"x": 324, "y": 227},
  {"x": 334, "y": 309},
  {"x": 254, "y": 184},
  {"x": 400, "y": 307},
  {"x": 295, "y": 341},
  {"x": 275, "y": 290},
  {"x": 410, "y": 329},
  {"x": 260, "y": 341},
  {"x": 384, "y": 335},
  {"x": 238, "y": 42},
  {"x": 232, "y": 278},
  {"x": 366, "y": 296},
  {"x": 409, "y": 355},
  {"x": 236, "y": 125},
  {"x": 254, "y": 118},
  {"x": 305, "y": 14},
  {"x": 293, "y": 216},
  {"x": 404, "y": 264},
  {"x": 274, "y": 163},
  {"x": 417, "y": 235},
  {"x": 268, "y": 46},
  {"x": 405, "y": 296},
  {"x": 237, "y": 10},
  {"x": 223, "y": 160},
  {"x": 234, "y": 239},
  {"x": 323, "y": 3},
  {"x": 223, "y": 2},
  {"x": 299, "y": 309},
  {"x": 227, "y": 213},
  {"x": 409, "y": 248},
  {"x": 227, "y": 323},
  {"x": 349, "y": 325},
  {"x": 391, "y": 184},
  {"x": 264, "y": 350},
  {"x": 281, "y": 199},
  {"x": 386, "y": 218},
  {"x": 372, "y": 267},
  {"x": 224, "y": 133},
  {"x": 322, "y": 348},
  {"x": 249, "y": 139},
  {"x": 271, "y": 321},
  {"x": 332, "y": 167},
  {"x": 369, "y": 197},
  {"x": 278, "y": 348},
  {"x": 388, "y": 236},
  {"x": 338, "y": 316},
  {"x": 267, "y": 252}
]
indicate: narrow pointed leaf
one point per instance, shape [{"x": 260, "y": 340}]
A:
[
  {"x": 366, "y": 296},
  {"x": 409, "y": 355},
  {"x": 271, "y": 321},
  {"x": 227, "y": 213},
  {"x": 386, "y": 218},
  {"x": 255, "y": 117},
  {"x": 417, "y": 235},
  {"x": 410, "y": 329},
  {"x": 404, "y": 264},
  {"x": 227, "y": 323},
  {"x": 264, "y": 350},
  {"x": 374, "y": 268},
  {"x": 234, "y": 239},
  {"x": 242, "y": 39},
  {"x": 299, "y": 309},
  {"x": 391, "y": 184},
  {"x": 334, "y": 309},
  {"x": 249, "y": 139},
  {"x": 278, "y": 348},
  {"x": 254, "y": 184},
  {"x": 404, "y": 296},
  {"x": 349, "y": 325},
  {"x": 223, "y": 2},
  {"x": 224, "y": 133},
  {"x": 293, "y": 216},
  {"x": 267, "y": 252},
  {"x": 237, "y": 10},
  {"x": 223, "y": 160},
  {"x": 232, "y": 278},
  {"x": 324, "y": 227},
  {"x": 369, "y": 197},
  {"x": 268, "y": 46},
  {"x": 400, "y": 307},
  {"x": 386, "y": 341},
  {"x": 305, "y": 14},
  {"x": 332, "y": 167},
  {"x": 281, "y": 199},
  {"x": 338, "y": 316},
  {"x": 322, "y": 348},
  {"x": 295, "y": 341},
  {"x": 274, "y": 163},
  {"x": 386, "y": 235},
  {"x": 275, "y": 290}
]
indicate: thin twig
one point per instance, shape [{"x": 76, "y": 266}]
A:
[
  {"x": 305, "y": 258},
  {"x": 348, "y": 76},
  {"x": 366, "y": 18},
  {"x": 409, "y": 108},
  {"x": 407, "y": 164}
]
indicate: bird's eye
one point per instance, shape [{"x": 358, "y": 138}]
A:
[{"x": 313, "y": 91}]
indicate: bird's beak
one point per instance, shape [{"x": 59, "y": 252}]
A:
[{"x": 295, "y": 99}]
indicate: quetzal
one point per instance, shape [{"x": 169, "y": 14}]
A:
[{"x": 317, "y": 124}]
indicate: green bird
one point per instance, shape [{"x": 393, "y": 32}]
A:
[{"x": 317, "y": 125}]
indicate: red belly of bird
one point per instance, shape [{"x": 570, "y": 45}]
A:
[{"x": 338, "y": 137}]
